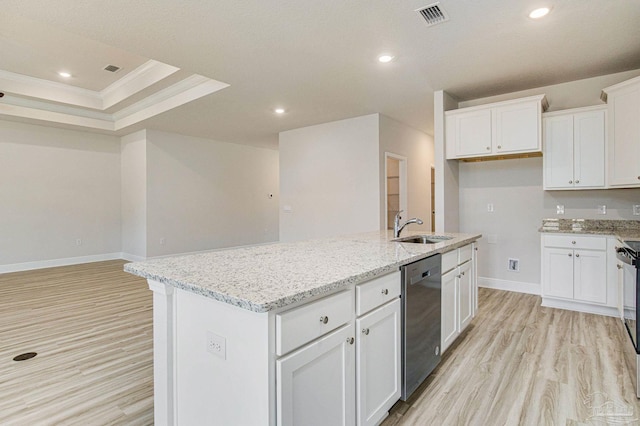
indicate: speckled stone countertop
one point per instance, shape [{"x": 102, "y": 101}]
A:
[
  {"x": 623, "y": 229},
  {"x": 266, "y": 277}
]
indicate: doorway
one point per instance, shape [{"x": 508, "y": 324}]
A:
[{"x": 395, "y": 186}]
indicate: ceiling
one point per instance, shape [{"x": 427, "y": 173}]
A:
[{"x": 317, "y": 59}]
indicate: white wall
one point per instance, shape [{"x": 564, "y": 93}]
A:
[
  {"x": 133, "y": 156},
  {"x": 204, "y": 194},
  {"x": 330, "y": 177},
  {"x": 417, "y": 147},
  {"x": 57, "y": 186},
  {"x": 447, "y": 197},
  {"x": 514, "y": 187}
]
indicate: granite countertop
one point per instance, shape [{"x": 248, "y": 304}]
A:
[
  {"x": 622, "y": 229},
  {"x": 266, "y": 277}
]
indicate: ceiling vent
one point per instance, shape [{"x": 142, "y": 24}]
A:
[
  {"x": 112, "y": 68},
  {"x": 433, "y": 14}
]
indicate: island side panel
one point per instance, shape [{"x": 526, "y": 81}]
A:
[
  {"x": 163, "y": 351},
  {"x": 223, "y": 363}
]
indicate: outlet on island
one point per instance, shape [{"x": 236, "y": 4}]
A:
[{"x": 216, "y": 345}]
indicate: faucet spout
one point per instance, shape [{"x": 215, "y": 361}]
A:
[{"x": 397, "y": 228}]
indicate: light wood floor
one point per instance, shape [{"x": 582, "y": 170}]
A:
[
  {"x": 518, "y": 364},
  {"x": 91, "y": 326},
  {"x": 523, "y": 364}
]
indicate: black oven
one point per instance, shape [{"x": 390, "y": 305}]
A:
[{"x": 629, "y": 255}]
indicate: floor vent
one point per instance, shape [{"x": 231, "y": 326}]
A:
[
  {"x": 433, "y": 14},
  {"x": 112, "y": 68}
]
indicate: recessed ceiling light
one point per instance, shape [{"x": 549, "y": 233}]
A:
[
  {"x": 539, "y": 13},
  {"x": 64, "y": 74},
  {"x": 385, "y": 58},
  {"x": 279, "y": 110}
]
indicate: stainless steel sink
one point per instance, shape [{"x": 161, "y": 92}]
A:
[{"x": 423, "y": 239}]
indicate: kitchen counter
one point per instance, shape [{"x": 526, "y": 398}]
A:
[
  {"x": 622, "y": 229},
  {"x": 266, "y": 277}
]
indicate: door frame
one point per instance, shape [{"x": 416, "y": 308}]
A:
[{"x": 402, "y": 185}]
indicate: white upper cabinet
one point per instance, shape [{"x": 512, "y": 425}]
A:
[
  {"x": 624, "y": 133},
  {"x": 574, "y": 149},
  {"x": 502, "y": 128}
]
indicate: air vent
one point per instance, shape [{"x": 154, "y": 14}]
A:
[
  {"x": 112, "y": 68},
  {"x": 433, "y": 14}
]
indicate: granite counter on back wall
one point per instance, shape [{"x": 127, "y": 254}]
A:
[
  {"x": 263, "y": 278},
  {"x": 623, "y": 229}
]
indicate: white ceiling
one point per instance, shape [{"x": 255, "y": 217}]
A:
[{"x": 317, "y": 58}]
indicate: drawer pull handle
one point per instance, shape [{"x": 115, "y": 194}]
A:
[
  {"x": 573, "y": 242},
  {"x": 324, "y": 320},
  {"x": 385, "y": 291},
  {"x": 365, "y": 331},
  {"x": 350, "y": 340}
]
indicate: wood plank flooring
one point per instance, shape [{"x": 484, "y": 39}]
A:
[
  {"x": 523, "y": 364},
  {"x": 518, "y": 363},
  {"x": 91, "y": 326}
]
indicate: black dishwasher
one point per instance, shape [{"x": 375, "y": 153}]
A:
[{"x": 421, "y": 306}]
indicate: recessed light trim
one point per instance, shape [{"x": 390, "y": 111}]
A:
[
  {"x": 539, "y": 13},
  {"x": 279, "y": 110},
  {"x": 64, "y": 74},
  {"x": 385, "y": 58}
]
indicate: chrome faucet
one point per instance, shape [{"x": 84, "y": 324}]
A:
[{"x": 397, "y": 228}]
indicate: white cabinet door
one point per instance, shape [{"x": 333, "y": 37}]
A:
[
  {"x": 470, "y": 133},
  {"x": 589, "y": 149},
  {"x": 449, "y": 315},
  {"x": 517, "y": 128},
  {"x": 590, "y": 276},
  {"x": 557, "y": 280},
  {"x": 624, "y": 137},
  {"x": 316, "y": 383},
  {"x": 378, "y": 374},
  {"x": 465, "y": 296},
  {"x": 558, "y": 152}
]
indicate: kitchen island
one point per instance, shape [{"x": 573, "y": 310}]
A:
[{"x": 226, "y": 323}]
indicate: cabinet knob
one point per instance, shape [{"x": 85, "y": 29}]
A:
[
  {"x": 458, "y": 276},
  {"x": 385, "y": 291},
  {"x": 577, "y": 181},
  {"x": 365, "y": 331},
  {"x": 489, "y": 149},
  {"x": 619, "y": 266},
  {"x": 462, "y": 273},
  {"x": 324, "y": 320},
  {"x": 499, "y": 146},
  {"x": 350, "y": 340},
  {"x": 570, "y": 255},
  {"x": 570, "y": 181},
  {"x": 577, "y": 255},
  {"x": 638, "y": 177},
  {"x": 573, "y": 242}
]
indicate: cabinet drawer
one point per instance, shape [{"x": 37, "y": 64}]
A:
[
  {"x": 576, "y": 241},
  {"x": 377, "y": 292},
  {"x": 298, "y": 326},
  {"x": 449, "y": 260},
  {"x": 464, "y": 254}
]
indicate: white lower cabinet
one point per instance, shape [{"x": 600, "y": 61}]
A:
[
  {"x": 316, "y": 384},
  {"x": 576, "y": 273},
  {"x": 458, "y": 293},
  {"x": 378, "y": 368}
]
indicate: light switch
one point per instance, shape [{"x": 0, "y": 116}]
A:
[
  {"x": 602, "y": 209},
  {"x": 636, "y": 209},
  {"x": 490, "y": 207},
  {"x": 287, "y": 209},
  {"x": 560, "y": 209}
]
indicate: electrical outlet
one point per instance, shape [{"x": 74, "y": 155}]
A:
[
  {"x": 602, "y": 209},
  {"x": 287, "y": 209},
  {"x": 490, "y": 207},
  {"x": 636, "y": 209},
  {"x": 514, "y": 265},
  {"x": 216, "y": 345},
  {"x": 560, "y": 209},
  {"x": 79, "y": 242}
]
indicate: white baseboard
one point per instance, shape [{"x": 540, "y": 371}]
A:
[
  {"x": 580, "y": 307},
  {"x": 516, "y": 286},
  {"x": 28, "y": 266},
  {"x": 132, "y": 257}
]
